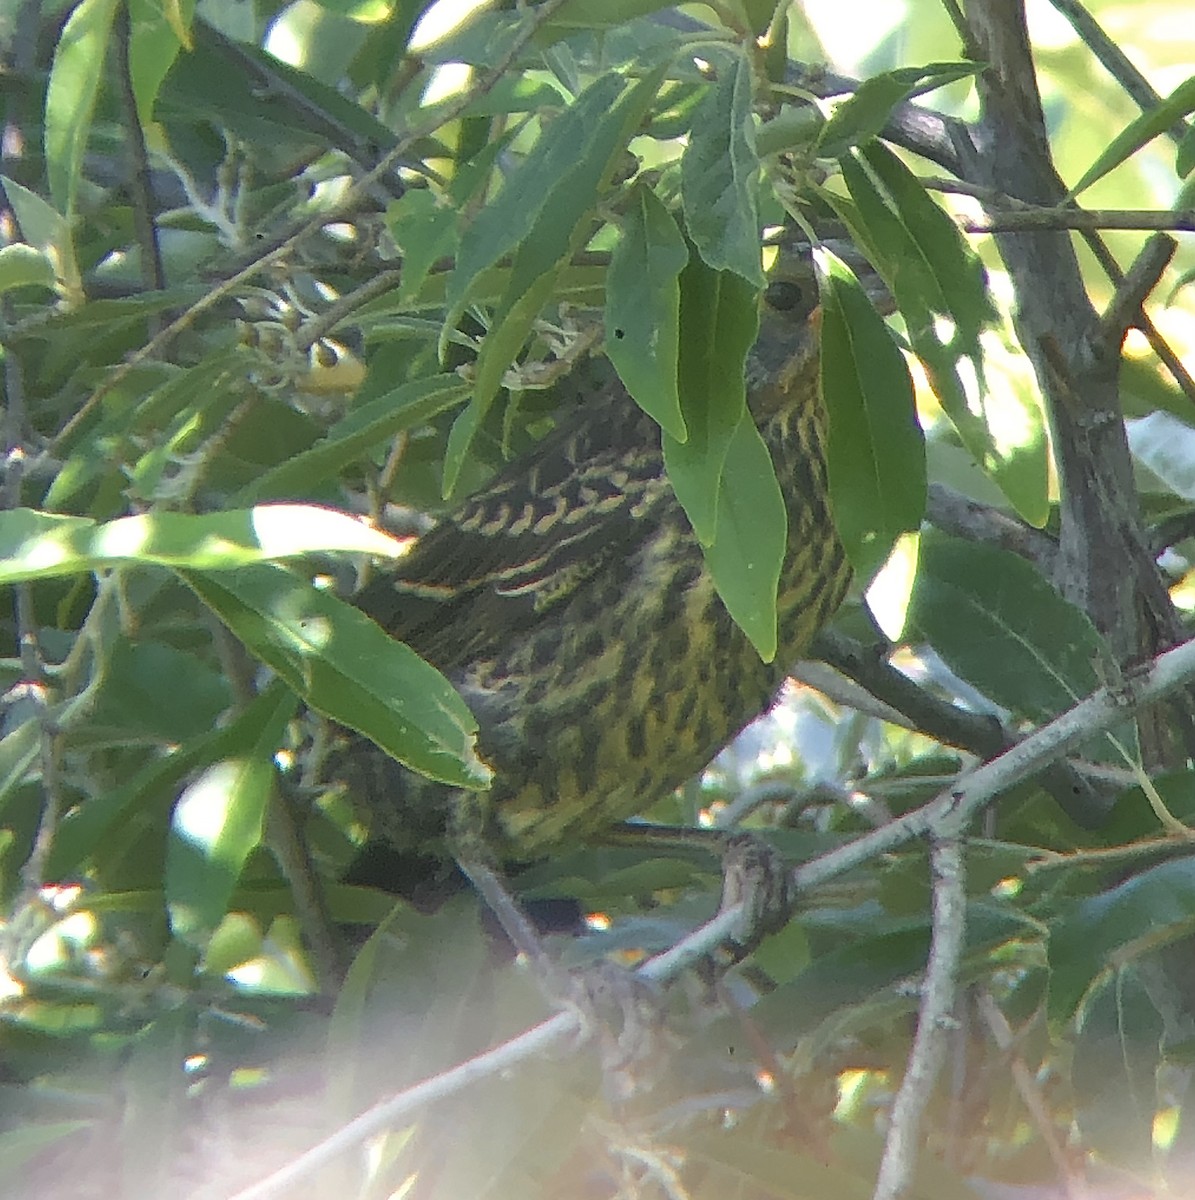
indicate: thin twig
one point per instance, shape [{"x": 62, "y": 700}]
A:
[
  {"x": 1034, "y": 217},
  {"x": 1031, "y": 1096},
  {"x": 1100, "y": 711},
  {"x": 315, "y": 327},
  {"x": 1158, "y": 344},
  {"x": 153, "y": 272},
  {"x": 1125, "y": 311},
  {"x": 933, "y": 1022},
  {"x": 951, "y": 810}
]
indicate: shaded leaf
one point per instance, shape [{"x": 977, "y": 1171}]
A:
[
  {"x": 747, "y": 552},
  {"x": 719, "y": 320},
  {"x": 424, "y": 229},
  {"x": 998, "y": 623},
  {"x": 718, "y": 176},
  {"x": 351, "y": 438},
  {"x": 643, "y": 309},
  {"x": 865, "y": 113},
  {"x": 933, "y": 274},
  {"x": 601, "y": 14},
  {"x": 601, "y": 121},
  {"x": 84, "y": 830},
  {"x": 1112, "y": 929},
  {"x": 507, "y": 220},
  {"x": 875, "y": 452}
]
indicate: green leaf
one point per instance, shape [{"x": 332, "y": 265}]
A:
[
  {"x": 1002, "y": 627},
  {"x": 875, "y": 451},
  {"x": 1135, "y": 918},
  {"x": 159, "y": 32},
  {"x": 27, "y": 1142},
  {"x": 71, "y": 96},
  {"x": 1166, "y": 445},
  {"x": 46, "y": 229},
  {"x": 1184, "y": 161},
  {"x": 643, "y": 309},
  {"x": 864, "y": 114},
  {"x": 23, "y": 266},
  {"x": 792, "y": 128},
  {"x": 352, "y": 437},
  {"x": 508, "y": 219},
  {"x": 719, "y": 320},
  {"x": 601, "y": 14},
  {"x": 343, "y": 665},
  {"x": 933, "y": 274},
  {"x": 747, "y": 552},
  {"x": 38, "y": 545},
  {"x": 1138, "y": 133},
  {"x": 719, "y": 172},
  {"x": 939, "y": 251},
  {"x": 559, "y": 228},
  {"x": 19, "y": 750},
  {"x": 139, "y": 694},
  {"x": 81, "y": 836},
  {"x": 498, "y": 351},
  {"x": 217, "y": 822},
  {"x": 424, "y": 229}
]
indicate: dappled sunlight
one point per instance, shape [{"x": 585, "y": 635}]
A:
[{"x": 889, "y": 592}]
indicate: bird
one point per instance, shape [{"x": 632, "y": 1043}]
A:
[{"x": 569, "y": 603}]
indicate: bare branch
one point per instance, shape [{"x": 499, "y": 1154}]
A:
[
  {"x": 1157, "y": 342},
  {"x": 934, "y": 1021},
  {"x": 1125, "y": 311},
  {"x": 952, "y": 512},
  {"x": 1031, "y": 217},
  {"x": 153, "y": 271},
  {"x": 950, "y": 811}
]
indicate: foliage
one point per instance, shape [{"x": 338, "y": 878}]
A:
[{"x": 254, "y": 313}]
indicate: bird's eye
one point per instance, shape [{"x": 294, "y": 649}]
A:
[{"x": 785, "y": 295}]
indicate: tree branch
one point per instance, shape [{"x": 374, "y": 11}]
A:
[
  {"x": 948, "y": 814},
  {"x": 933, "y": 1022}
]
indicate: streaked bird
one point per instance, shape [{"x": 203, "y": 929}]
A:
[{"x": 570, "y": 604}]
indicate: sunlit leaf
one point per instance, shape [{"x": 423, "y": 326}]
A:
[
  {"x": 343, "y": 665},
  {"x": 71, "y": 95}
]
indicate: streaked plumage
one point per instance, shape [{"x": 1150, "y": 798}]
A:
[{"x": 569, "y": 603}]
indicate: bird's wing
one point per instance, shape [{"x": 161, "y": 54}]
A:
[{"x": 526, "y": 543}]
